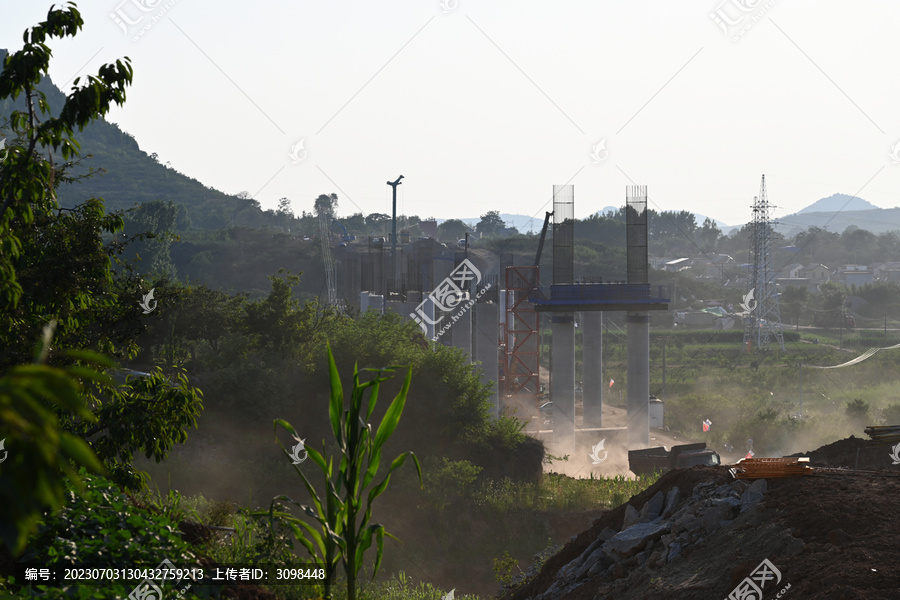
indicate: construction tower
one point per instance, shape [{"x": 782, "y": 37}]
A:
[{"x": 762, "y": 319}]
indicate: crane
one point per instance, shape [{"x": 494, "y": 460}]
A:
[{"x": 346, "y": 237}]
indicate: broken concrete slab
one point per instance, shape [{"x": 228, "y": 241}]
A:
[
  {"x": 630, "y": 541},
  {"x": 672, "y": 498}
]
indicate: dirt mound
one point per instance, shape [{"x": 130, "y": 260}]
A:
[
  {"x": 851, "y": 453},
  {"x": 827, "y": 535}
]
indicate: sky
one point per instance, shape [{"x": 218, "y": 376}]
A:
[{"x": 485, "y": 106}]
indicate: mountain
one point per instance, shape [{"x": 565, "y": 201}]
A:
[
  {"x": 839, "y": 202},
  {"x": 126, "y": 175},
  {"x": 838, "y": 212}
]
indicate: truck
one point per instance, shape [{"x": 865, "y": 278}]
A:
[{"x": 650, "y": 460}]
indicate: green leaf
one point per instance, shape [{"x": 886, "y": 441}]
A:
[
  {"x": 79, "y": 451},
  {"x": 392, "y": 416},
  {"x": 336, "y": 403}
]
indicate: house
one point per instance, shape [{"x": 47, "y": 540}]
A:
[
  {"x": 882, "y": 271},
  {"x": 817, "y": 273},
  {"x": 792, "y": 271},
  {"x": 857, "y": 277},
  {"x": 677, "y": 264}
]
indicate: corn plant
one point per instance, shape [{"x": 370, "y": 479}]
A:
[{"x": 342, "y": 528}]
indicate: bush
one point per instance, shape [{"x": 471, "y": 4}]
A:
[
  {"x": 858, "y": 412},
  {"x": 100, "y": 526},
  {"x": 891, "y": 415},
  {"x": 448, "y": 482}
]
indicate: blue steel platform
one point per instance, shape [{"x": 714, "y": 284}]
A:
[{"x": 600, "y": 296}]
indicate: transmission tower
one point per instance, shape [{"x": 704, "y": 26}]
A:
[
  {"x": 328, "y": 259},
  {"x": 762, "y": 319}
]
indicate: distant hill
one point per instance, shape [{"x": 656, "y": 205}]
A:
[
  {"x": 838, "y": 202},
  {"x": 876, "y": 220},
  {"x": 838, "y": 212},
  {"x": 131, "y": 176}
]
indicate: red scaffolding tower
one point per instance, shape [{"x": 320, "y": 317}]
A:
[{"x": 520, "y": 338}]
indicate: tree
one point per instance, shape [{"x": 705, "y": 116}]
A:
[
  {"x": 325, "y": 204},
  {"x": 452, "y": 230},
  {"x": 376, "y": 222},
  {"x": 831, "y": 304},
  {"x": 152, "y": 224},
  {"x": 28, "y": 394},
  {"x": 708, "y": 235},
  {"x": 490, "y": 224},
  {"x": 793, "y": 301},
  {"x": 54, "y": 267},
  {"x": 284, "y": 208}
]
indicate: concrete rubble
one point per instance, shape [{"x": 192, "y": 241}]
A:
[{"x": 664, "y": 529}]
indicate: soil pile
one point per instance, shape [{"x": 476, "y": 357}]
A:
[
  {"x": 851, "y": 453},
  {"x": 699, "y": 534}
]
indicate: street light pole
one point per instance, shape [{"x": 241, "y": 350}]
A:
[{"x": 394, "y": 185}]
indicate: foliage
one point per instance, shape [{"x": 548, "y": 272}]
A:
[
  {"x": 344, "y": 529},
  {"x": 453, "y": 230},
  {"x": 325, "y": 205},
  {"x": 153, "y": 223},
  {"x": 402, "y": 587},
  {"x": 447, "y": 481},
  {"x": 504, "y": 569},
  {"x": 491, "y": 225},
  {"x": 858, "y": 411},
  {"x": 28, "y": 181},
  {"x": 98, "y": 525},
  {"x": 38, "y": 452},
  {"x": 147, "y": 414}
]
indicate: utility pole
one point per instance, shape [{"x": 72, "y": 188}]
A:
[
  {"x": 394, "y": 185},
  {"x": 664, "y": 340}
]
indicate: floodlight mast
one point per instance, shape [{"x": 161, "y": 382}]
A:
[{"x": 394, "y": 185}]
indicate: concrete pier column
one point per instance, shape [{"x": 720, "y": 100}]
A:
[
  {"x": 486, "y": 351},
  {"x": 461, "y": 330},
  {"x": 592, "y": 358},
  {"x": 638, "y": 351},
  {"x": 562, "y": 381},
  {"x": 376, "y": 302}
]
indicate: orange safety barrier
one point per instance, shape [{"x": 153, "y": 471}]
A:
[{"x": 767, "y": 468}]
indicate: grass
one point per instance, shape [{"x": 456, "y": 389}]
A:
[{"x": 559, "y": 493}]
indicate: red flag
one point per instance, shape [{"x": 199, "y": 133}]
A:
[
  {"x": 611, "y": 382},
  {"x": 749, "y": 454},
  {"x": 706, "y": 425}
]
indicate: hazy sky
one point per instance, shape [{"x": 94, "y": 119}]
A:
[{"x": 485, "y": 105}]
